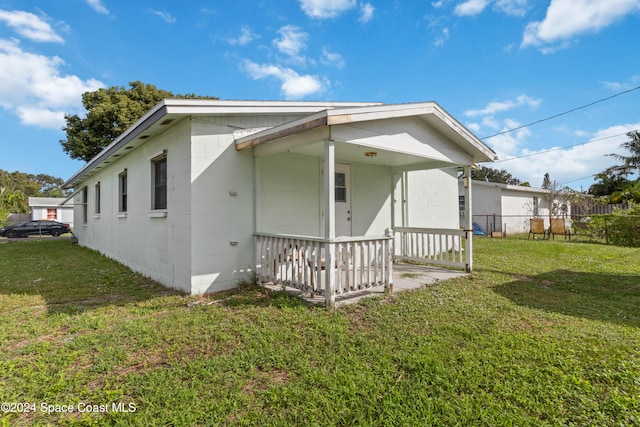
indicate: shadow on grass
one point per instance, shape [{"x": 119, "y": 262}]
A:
[
  {"x": 68, "y": 279},
  {"x": 605, "y": 297}
]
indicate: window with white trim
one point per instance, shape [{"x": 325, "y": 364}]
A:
[
  {"x": 122, "y": 191},
  {"x": 97, "y": 198},
  {"x": 85, "y": 197},
  {"x": 159, "y": 182}
]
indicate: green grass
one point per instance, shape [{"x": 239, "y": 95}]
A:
[{"x": 543, "y": 333}]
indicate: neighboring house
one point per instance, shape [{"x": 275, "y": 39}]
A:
[
  {"x": 508, "y": 208},
  {"x": 200, "y": 193},
  {"x": 51, "y": 208}
]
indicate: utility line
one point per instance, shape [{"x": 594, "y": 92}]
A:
[
  {"x": 563, "y": 113},
  {"x": 563, "y": 148}
]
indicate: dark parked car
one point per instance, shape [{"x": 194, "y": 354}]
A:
[{"x": 41, "y": 226}]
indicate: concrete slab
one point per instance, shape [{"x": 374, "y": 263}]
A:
[{"x": 405, "y": 277}]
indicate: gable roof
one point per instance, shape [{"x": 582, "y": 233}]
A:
[
  {"x": 169, "y": 111},
  {"x": 316, "y": 115},
  {"x": 430, "y": 112}
]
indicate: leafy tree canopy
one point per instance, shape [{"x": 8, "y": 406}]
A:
[
  {"x": 630, "y": 163},
  {"x": 110, "y": 112},
  {"x": 16, "y": 188},
  {"x": 494, "y": 175}
]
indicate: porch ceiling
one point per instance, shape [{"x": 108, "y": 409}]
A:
[{"x": 407, "y": 136}]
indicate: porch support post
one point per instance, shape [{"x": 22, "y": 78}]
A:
[
  {"x": 329, "y": 223},
  {"x": 468, "y": 220}
]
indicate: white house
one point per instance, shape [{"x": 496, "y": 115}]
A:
[
  {"x": 508, "y": 208},
  {"x": 51, "y": 208},
  {"x": 198, "y": 193}
]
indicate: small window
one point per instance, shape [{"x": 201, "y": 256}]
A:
[
  {"x": 97, "y": 196},
  {"x": 461, "y": 207},
  {"x": 52, "y": 213},
  {"x": 535, "y": 207},
  {"x": 341, "y": 187},
  {"x": 84, "y": 204},
  {"x": 122, "y": 191},
  {"x": 159, "y": 182}
]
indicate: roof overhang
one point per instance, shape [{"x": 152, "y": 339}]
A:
[
  {"x": 169, "y": 112},
  {"x": 361, "y": 130}
]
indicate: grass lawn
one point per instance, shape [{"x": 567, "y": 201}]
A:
[{"x": 543, "y": 333}]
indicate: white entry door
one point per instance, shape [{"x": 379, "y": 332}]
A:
[{"x": 343, "y": 199}]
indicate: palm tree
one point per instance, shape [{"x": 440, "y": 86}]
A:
[{"x": 630, "y": 163}]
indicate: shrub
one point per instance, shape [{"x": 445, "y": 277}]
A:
[{"x": 622, "y": 227}]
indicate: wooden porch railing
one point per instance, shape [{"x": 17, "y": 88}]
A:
[
  {"x": 326, "y": 267},
  {"x": 431, "y": 245}
]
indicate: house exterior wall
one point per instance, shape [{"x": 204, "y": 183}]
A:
[
  {"x": 370, "y": 199},
  {"x": 152, "y": 244},
  {"x": 506, "y": 208},
  {"x": 288, "y": 194},
  {"x": 63, "y": 214},
  {"x": 222, "y": 206},
  {"x": 432, "y": 200}
]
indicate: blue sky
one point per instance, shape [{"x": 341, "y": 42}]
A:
[{"x": 495, "y": 65}]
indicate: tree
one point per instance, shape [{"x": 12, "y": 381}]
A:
[
  {"x": 631, "y": 163},
  {"x": 16, "y": 188},
  {"x": 110, "y": 112},
  {"x": 608, "y": 183},
  {"x": 546, "y": 182},
  {"x": 494, "y": 175}
]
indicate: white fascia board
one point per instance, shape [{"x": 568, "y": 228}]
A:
[
  {"x": 511, "y": 187},
  {"x": 152, "y": 116},
  {"x": 226, "y": 107},
  {"x": 187, "y": 107}
]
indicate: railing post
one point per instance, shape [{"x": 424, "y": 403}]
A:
[
  {"x": 330, "y": 275},
  {"x": 469, "y": 221},
  {"x": 388, "y": 282}
]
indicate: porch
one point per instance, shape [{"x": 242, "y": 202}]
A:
[
  {"x": 406, "y": 277},
  {"x": 341, "y": 196},
  {"x": 345, "y": 269}
]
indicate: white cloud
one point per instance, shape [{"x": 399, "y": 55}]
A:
[
  {"x": 366, "y": 13},
  {"x": 34, "y": 88},
  {"x": 332, "y": 58},
  {"x": 166, "y": 16},
  {"x": 564, "y": 165},
  {"x": 501, "y": 106},
  {"x": 293, "y": 85},
  {"x": 471, "y": 7},
  {"x": 30, "y": 26},
  {"x": 98, "y": 6},
  {"x": 442, "y": 38},
  {"x": 292, "y": 42},
  {"x": 325, "y": 9},
  {"x": 245, "y": 37},
  {"x": 512, "y": 7},
  {"x": 567, "y": 19},
  {"x": 621, "y": 86}
]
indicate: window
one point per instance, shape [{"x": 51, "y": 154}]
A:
[
  {"x": 52, "y": 213},
  {"x": 97, "y": 196},
  {"x": 535, "y": 207},
  {"x": 122, "y": 192},
  {"x": 84, "y": 205},
  {"x": 461, "y": 207},
  {"x": 159, "y": 182},
  {"x": 341, "y": 187}
]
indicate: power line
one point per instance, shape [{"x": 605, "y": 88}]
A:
[
  {"x": 563, "y": 148},
  {"x": 563, "y": 113}
]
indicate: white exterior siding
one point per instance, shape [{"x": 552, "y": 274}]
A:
[
  {"x": 370, "y": 199},
  {"x": 219, "y": 193},
  {"x": 507, "y": 208},
  {"x": 433, "y": 199},
  {"x": 157, "y": 247},
  {"x": 221, "y": 208},
  {"x": 289, "y": 198}
]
